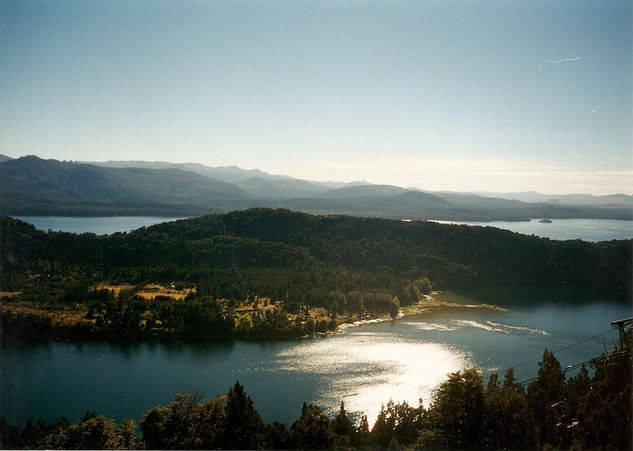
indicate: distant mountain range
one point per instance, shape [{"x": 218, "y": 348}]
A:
[
  {"x": 33, "y": 186},
  {"x": 569, "y": 199}
]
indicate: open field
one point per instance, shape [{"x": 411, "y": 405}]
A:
[
  {"x": 150, "y": 291},
  {"x": 64, "y": 316}
]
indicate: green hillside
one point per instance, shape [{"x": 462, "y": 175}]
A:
[{"x": 327, "y": 251}]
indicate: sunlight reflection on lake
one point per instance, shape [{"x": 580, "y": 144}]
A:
[
  {"x": 367, "y": 369},
  {"x": 363, "y": 366}
]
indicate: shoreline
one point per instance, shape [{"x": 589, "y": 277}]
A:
[
  {"x": 69, "y": 317},
  {"x": 423, "y": 307}
]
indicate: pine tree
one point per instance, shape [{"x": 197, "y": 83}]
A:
[{"x": 243, "y": 425}]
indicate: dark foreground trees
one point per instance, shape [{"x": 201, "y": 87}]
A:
[{"x": 582, "y": 412}]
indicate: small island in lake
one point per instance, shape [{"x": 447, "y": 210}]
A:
[{"x": 545, "y": 221}]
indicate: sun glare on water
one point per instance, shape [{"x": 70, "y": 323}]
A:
[{"x": 366, "y": 370}]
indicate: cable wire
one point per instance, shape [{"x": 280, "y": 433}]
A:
[
  {"x": 567, "y": 368},
  {"x": 565, "y": 348}
]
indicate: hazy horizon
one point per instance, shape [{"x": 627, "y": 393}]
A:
[
  {"x": 325, "y": 181},
  {"x": 442, "y": 96}
]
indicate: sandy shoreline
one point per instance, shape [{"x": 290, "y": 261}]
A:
[{"x": 424, "y": 307}]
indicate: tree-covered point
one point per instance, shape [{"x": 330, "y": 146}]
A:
[
  {"x": 261, "y": 273},
  {"x": 275, "y": 252},
  {"x": 582, "y": 412}
]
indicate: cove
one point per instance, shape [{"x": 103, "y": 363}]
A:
[{"x": 363, "y": 366}]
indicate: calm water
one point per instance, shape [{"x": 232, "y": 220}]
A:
[
  {"x": 559, "y": 229},
  {"x": 565, "y": 229},
  {"x": 98, "y": 225},
  {"x": 364, "y": 366}
]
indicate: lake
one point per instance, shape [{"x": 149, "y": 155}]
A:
[
  {"x": 565, "y": 229},
  {"x": 98, "y": 225},
  {"x": 364, "y": 366},
  {"x": 560, "y": 229}
]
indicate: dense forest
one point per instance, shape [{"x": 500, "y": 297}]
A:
[
  {"x": 582, "y": 412},
  {"x": 264, "y": 273}
]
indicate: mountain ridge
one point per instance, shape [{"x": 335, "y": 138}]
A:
[
  {"x": 32, "y": 180},
  {"x": 31, "y": 185},
  {"x": 244, "y": 174},
  {"x": 571, "y": 199}
]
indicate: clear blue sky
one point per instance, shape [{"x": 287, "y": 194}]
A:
[{"x": 454, "y": 95}]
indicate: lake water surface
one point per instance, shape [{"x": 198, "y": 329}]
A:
[
  {"x": 98, "y": 225},
  {"x": 559, "y": 229},
  {"x": 565, "y": 229},
  {"x": 364, "y": 366}
]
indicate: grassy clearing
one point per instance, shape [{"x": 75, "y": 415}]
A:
[
  {"x": 256, "y": 305},
  {"x": 150, "y": 291},
  {"x": 64, "y": 316}
]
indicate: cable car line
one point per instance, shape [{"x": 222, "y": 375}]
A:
[{"x": 565, "y": 348}]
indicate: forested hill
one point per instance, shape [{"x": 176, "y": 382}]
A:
[{"x": 274, "y": 252}]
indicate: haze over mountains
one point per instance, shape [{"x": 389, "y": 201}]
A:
[{"x": 33, "y": 186}]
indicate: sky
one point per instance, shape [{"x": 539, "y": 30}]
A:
[{"x": 440, "y": 95}]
